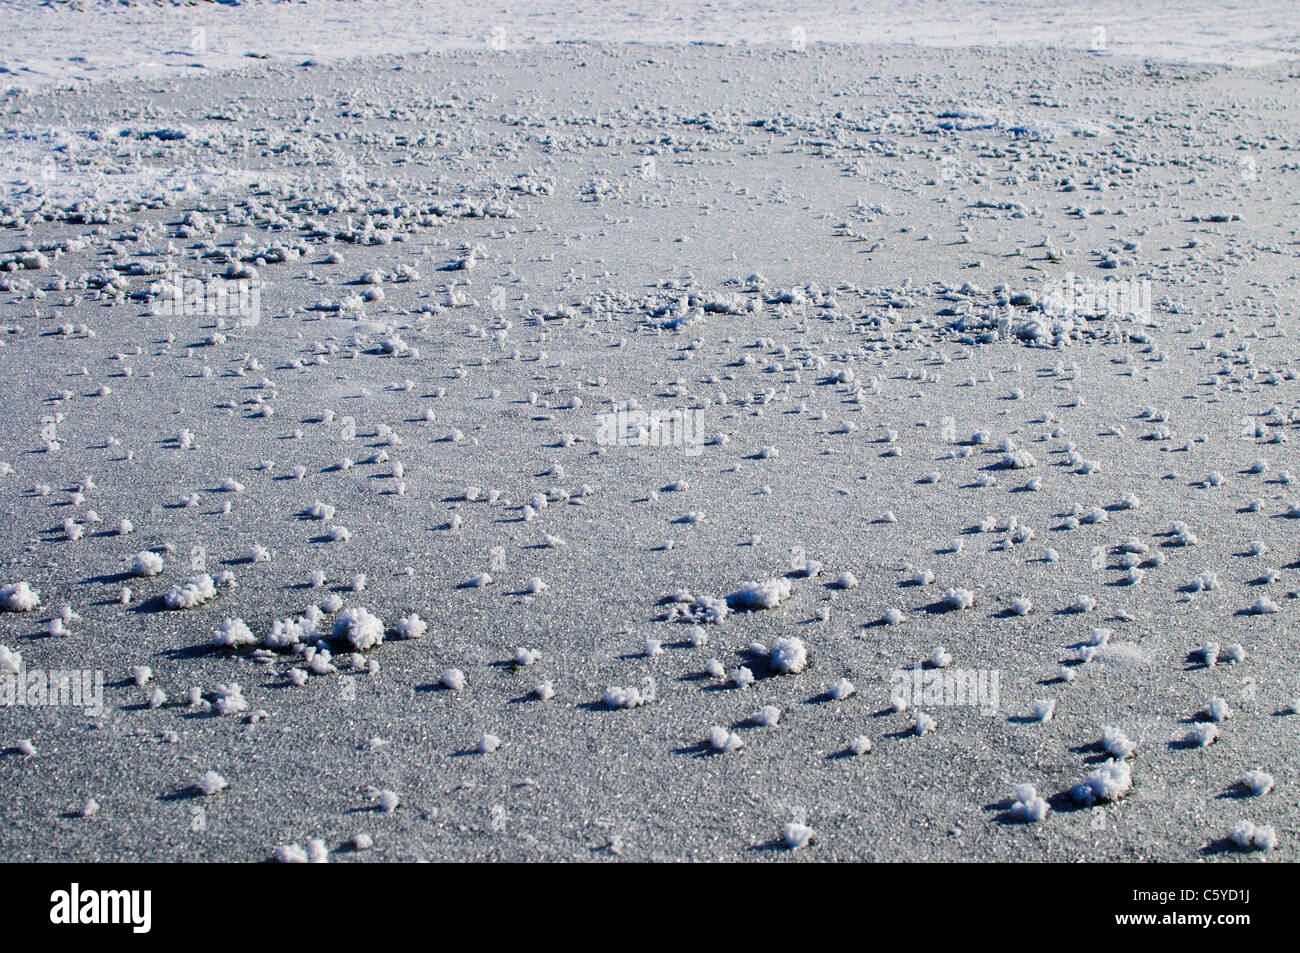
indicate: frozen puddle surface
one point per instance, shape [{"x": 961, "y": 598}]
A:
[
  {"x": 694, "y": 452},
  {"x": 163, "y": 40}
]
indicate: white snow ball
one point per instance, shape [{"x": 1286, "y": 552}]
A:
[
  {"x": 412, "y": 626},
  {"x": 1109, "y": 782},
  {"x": 11, "y": 662},
  {"x": 958, "y": 598},
  {"x": 723, "y": 741},
  {"x": 212, "y": 783},
  {"x": 233, "y": 634},
  {"x": 842, "y": 688},
  {"x": 1201, "y": 736},
  {"x": 146, "y": 563},
  {"x": 194, "y": 592},
  {"x": 741, "y": 677},
  {"x": 524, "y": 657},
  {"x": 797, "y": 836},
  {"x": 1257, "y": 782},
  {"x": 1116, "y": 743},
  {"x": 362, "y": 629},
  {"x": 617, "y": 696},
  {"x": 760, "y": 595},
  {"x": 789, "y": 655},
  {"x": 1028, "y": 806},
  {"x": 18, "y": 597}
]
